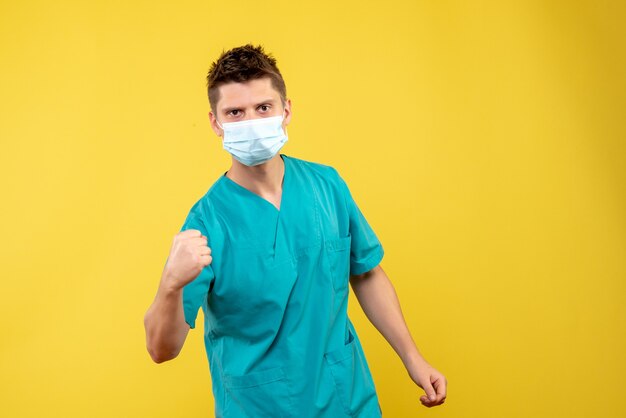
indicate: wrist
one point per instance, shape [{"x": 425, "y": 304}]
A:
[
  {"x": 415, "y": 359},
  {"x": 168, "y": 285}
]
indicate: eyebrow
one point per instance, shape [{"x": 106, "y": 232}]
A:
[{"x": 268, "y": 101}]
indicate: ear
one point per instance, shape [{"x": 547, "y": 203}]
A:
[
  {"x": 287, "y": 113},
  {"x": 216, "y": 128}
]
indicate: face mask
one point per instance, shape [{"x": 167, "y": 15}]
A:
[{"x": 254, "y": 141}]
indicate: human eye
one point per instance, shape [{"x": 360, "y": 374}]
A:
[
  {"x": 234, "y": 112},
  {"x": 264, "y": 108}
]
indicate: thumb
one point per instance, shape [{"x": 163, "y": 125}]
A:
[{"x": 430, "y": 391}]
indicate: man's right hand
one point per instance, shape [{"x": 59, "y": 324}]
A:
[{"x": 188, "y": 256}]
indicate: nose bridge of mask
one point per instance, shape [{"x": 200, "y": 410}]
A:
[{"x": 253, "y": 129}]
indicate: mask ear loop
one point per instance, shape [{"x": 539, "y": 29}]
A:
[
  {"x": 283, "y": 121},
  {"x": 218, "y": 124}
]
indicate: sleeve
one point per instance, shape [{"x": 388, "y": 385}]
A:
[
  {"x": 366, "y": 251},
  {"x": 196, "y": 292}
]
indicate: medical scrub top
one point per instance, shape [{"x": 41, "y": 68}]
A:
[{"x": 277, "y": 335}]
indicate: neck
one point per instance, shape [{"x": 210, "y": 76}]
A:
[{"x": 262, "y": 178}]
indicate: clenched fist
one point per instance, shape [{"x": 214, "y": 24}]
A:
[{"x": 188, "y": 256}]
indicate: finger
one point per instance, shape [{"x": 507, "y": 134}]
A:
[
  {"x": 198, "y": 241},
  {"x": 429, "y": 404},
  {"x": 424, "y": 399},
  {"x": 441, "y": 387},
  {"x": 206, "y": 260},
  {"x": 430, "y": 391},
  {"x": 190, "y": 233},
  {"x": 205, "y": 250},
  {"x": 426, "y": 402}
]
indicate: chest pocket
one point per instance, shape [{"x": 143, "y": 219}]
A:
[{"x": 338, "y": 253}]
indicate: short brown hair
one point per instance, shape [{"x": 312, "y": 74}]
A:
[{"x": 240, "y": 65}]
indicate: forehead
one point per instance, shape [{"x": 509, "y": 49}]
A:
[{"x": 247, "y": 93}]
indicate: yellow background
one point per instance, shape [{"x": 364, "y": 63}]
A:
[{"x": 484, "y": 141}]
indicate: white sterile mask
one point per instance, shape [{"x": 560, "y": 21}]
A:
[{"x": 254, "y": 141}]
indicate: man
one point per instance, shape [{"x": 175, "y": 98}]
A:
[{"x": 268, "y": 253}]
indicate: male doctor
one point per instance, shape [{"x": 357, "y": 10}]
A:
[{"x": 268, "y": 253}]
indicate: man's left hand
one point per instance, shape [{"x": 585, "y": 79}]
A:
[{"x": 433, "y": 383}]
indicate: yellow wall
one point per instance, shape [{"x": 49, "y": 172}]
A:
[{"x": 484, "y": 141}]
